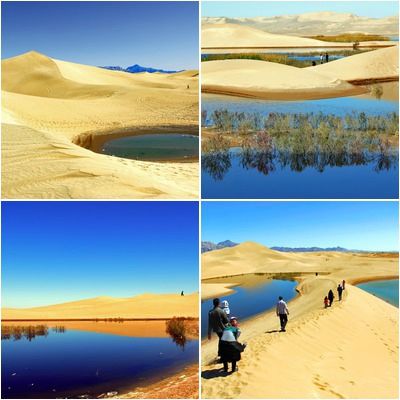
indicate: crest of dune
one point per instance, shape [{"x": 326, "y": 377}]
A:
[
  {"x": 376, "y": 64},
  {"x": 142, "y": 306},
  {"x": 254, "y": 78},
  {"x": 48, "y": 105},
  {"x": 234, "y": 35}
]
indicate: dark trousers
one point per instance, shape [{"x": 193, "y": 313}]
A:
[
  {"x": 219, "y": 341},
  {"x": 283, "y": 319},
  {"x": 226, "y": 366}
]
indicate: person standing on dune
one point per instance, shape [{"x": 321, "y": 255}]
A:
[
  {"x": 340, "y": 290},
  {"x": 330, "y": 297},
  {"x": 282, "y": 312}
]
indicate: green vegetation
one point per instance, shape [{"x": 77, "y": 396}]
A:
[
  {"x": 350, "y": 37},
  {"x": 278, "y": 58}
]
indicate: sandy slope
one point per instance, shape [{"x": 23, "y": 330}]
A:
[
  {"x": 48, "y": 103},
  {"x": 376, "y": 64},
  {"x": 261, "y": 79},
  {"x": 348, "y": 351},
  {"x": 142, "y": 306}
]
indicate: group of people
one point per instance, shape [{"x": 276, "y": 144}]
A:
[
  {"x": 328, "y": 300},
  {"x": 227, "y": 329},
  {"x": 322, "y": 58}
]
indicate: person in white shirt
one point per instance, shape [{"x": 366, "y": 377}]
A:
[{"x": 282, "y": 312}]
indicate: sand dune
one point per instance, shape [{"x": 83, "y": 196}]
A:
[
  {"x": 378, "y": 64},
  {"x": 347, "y": 351},
  {"x": 48, "y": 105},
  {"x": 267, "y": 80},
  {"x": 233, "y": 35},
  {"x": 142, "y": 306}
]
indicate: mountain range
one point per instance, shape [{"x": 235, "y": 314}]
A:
[
  {"x": 210, "y": 246},
  {"x": 315, "y": 23},
  {"x": 135, "y": 69}
]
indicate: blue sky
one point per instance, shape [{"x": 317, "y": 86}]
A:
[
  {"x": 374, "y": 9},
  {"x": 354, "y": 225},
  {"x": 60, "y": 251},
  {"x": 157, "y": 34}
]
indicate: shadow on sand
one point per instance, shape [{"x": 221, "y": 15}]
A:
[{"x": 214, "y": 373}]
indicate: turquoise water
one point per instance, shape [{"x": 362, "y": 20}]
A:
[
  {"x": 72, "y": 363},
  {"x": 386, "y": 290},
  {"x": 246, "y": 302},
  {"x": 154, "y": 147}
]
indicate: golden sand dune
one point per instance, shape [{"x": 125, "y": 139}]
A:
[
  {"x": 347, "y": 351},
  {"x": 261, "y": 79},
  {"x": 48, "y": 105},
  {"x": 379, "y": 64},
  {"x": 143, "y": 306},
  {"x": 234, "y": 35}
]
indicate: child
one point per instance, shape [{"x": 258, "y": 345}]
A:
[
  {"x": 326, "y": 301},
  {"x": 225, "y": 307}
]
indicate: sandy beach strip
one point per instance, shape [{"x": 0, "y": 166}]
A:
[
  {"x": 273, "y": 81},
  {"x": 48, "y": 104},
  {"x": 347, "y": 351}
]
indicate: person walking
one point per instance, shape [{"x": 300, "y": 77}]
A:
[
  {"x": 330, "y": 297},
  {"x": 182, "y": 294},
  {"x": 343, "y": 284},
  {"x": 326, "y": 301},
  {"x": 340, "y": 290},
  {"x": 225, "y": 307},
  {"x": 326, "y": 57},
  {"x": 217, "y": 321},
  {"x": 321, "y": 58},
  {"x": 282, "y": 312}
]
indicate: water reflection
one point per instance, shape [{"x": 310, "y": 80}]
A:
[
  {"x": 29, "y": 332},
  {"x": 217, "y": 164}
]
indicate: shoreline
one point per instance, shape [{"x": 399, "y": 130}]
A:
[
  {"x": 329, "y": 46},
  {"x": 94, "y": 141}
]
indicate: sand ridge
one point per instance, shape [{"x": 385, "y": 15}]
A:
[
  {"x": 145, "y": 306},
  {"x": 46, "y": 103},
  {"x": 347, "y": 351}
]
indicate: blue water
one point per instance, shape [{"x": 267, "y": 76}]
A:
[
  {"x": 339, "y": 106},
  {"x": 230, "y": 179},
  {"x": 153, "y": 147},
  {"x": 76, "y": 362},
  {"x": 386, "y": 290},
  {"x": 249, "y": 301}
]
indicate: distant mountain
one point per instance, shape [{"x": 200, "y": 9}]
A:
[
  {"x": 134, "y": 69},
  {"x": 315, "y": 23},
  {"x": 312, "y": 249},
  {"x": 209, "y": 246}
]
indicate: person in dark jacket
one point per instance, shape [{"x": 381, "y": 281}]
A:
[
  {"x": 330, "y": 297},
  {"x": 217, "y": 321},
  {"x": 229, "y": 345},
  {"x": 340, "y": 290},
  {"x": 326, "y": 57}
]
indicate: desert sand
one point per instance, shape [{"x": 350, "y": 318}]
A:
[
  {"x": 145, "y": 306},
  {"x": 347, "y": 351},
  {"x": 382, "y": 64},
  {"x": 49, "y": 106},
  {"x": 226, "y": 35},
  {"x": 268, "y": 80}
]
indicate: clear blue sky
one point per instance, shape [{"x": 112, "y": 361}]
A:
[
  {"x": 156, "y": 34},
  {"x": 60, "y": 251},
  {"x": 374, "y": 9},
  {"x": 354, "y": 225}
]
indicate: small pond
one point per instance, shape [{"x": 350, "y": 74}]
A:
[{"x": 154, "y": 147}]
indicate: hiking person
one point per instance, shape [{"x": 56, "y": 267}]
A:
[
  {"x": 326, "y": 301},
  {"x": 282, "y": 312},
  {"x": 321, "y": 58},
  {"x": 225, "y": 307},
  {"x": 182, "y": 293},
  {"x": 229, "y": 345},
  {"x": 339, "y": 290},
  {"x": 217, "y": 320},
  {"x": 326, "y": 57},
  {"x": 330, "y": 297},
  {"x": 343, "y": 284}
]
